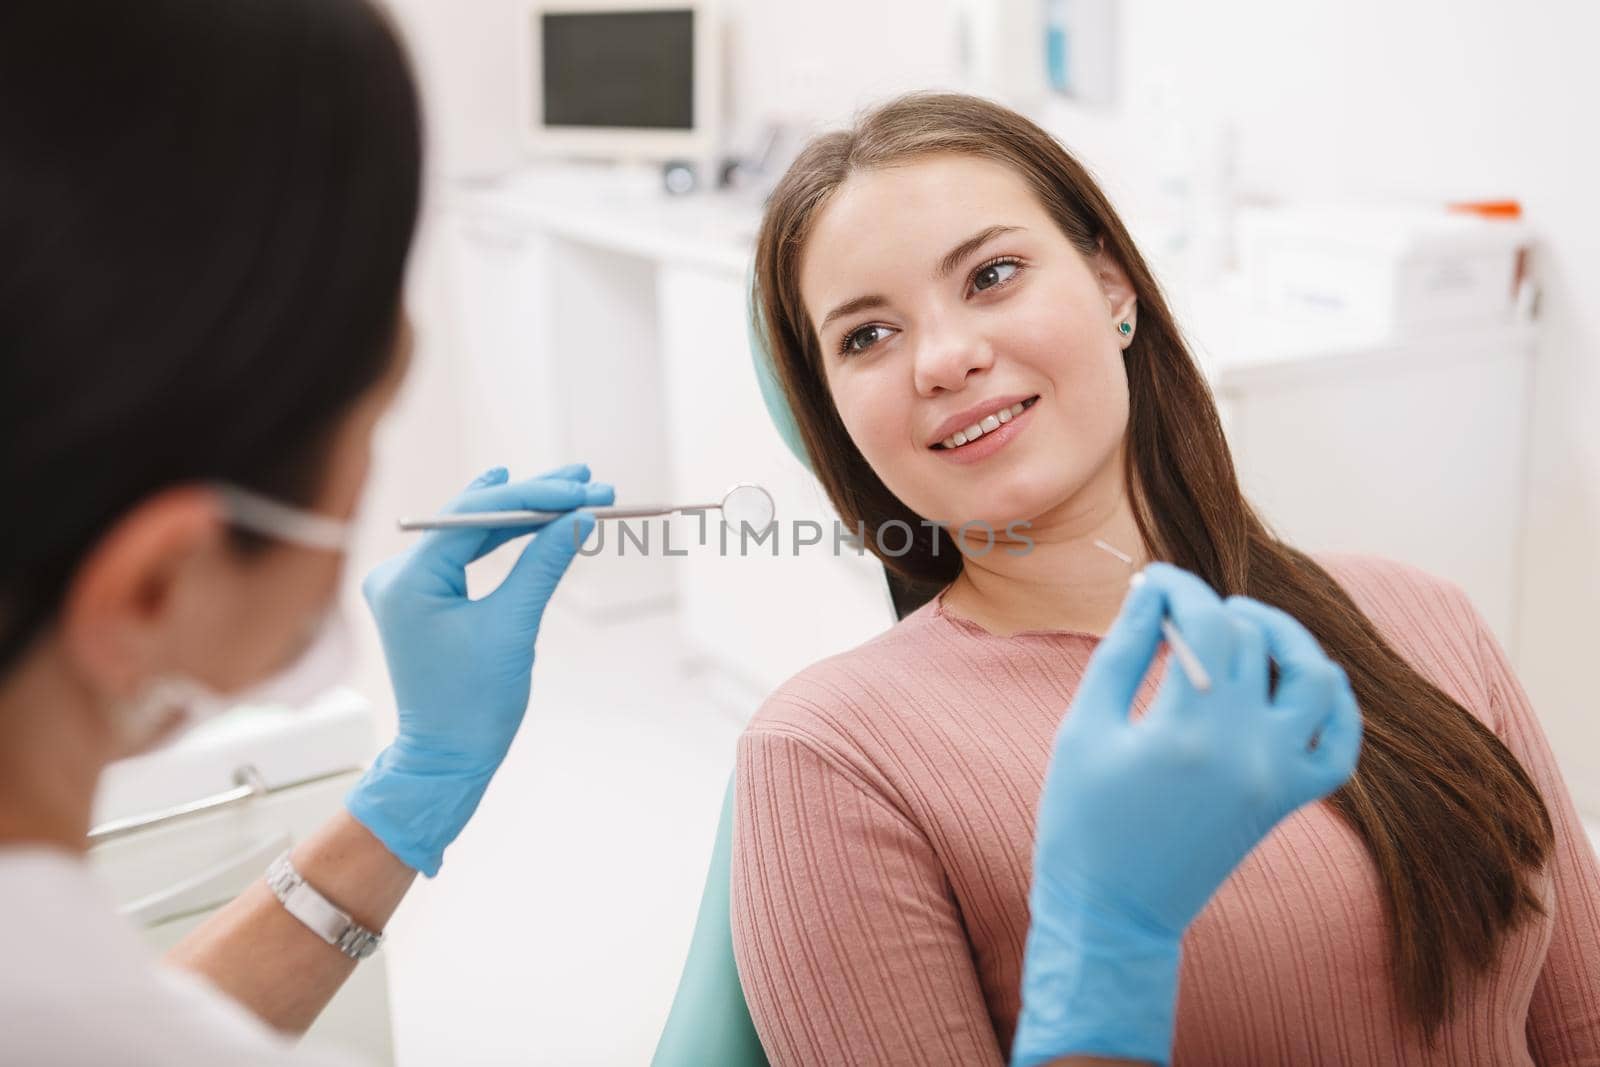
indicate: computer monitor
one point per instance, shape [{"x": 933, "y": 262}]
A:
[{"x": 627, "y": 80}]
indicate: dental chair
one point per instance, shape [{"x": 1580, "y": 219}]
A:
[{"x": 709, "y": 1023}]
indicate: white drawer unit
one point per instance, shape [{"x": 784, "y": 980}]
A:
[
  {"x": 182, "y": 831},
  {"x": 1411, "y": 447}
]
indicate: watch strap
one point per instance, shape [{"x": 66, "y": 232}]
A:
[{"x": 320, "y": 915}]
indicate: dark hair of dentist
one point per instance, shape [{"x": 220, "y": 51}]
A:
[
  {"x": 205, "y": 211},
  {"x": 206, "y": 208}
]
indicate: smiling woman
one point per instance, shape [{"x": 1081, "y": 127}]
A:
[{"x": 967, "y": 335}]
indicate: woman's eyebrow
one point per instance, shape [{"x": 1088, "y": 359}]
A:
[
  {"x": 952, "y": 259},
  {"x": 850, "y": 307}
]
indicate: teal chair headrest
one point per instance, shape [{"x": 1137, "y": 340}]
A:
[{"x": 767, "y": 377}]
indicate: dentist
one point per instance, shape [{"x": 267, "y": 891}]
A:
[{"x": 206, "y": 208}]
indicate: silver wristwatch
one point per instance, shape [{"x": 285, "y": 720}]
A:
[{"x": 318, "y": 913}]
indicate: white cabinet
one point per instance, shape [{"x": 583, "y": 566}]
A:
[
  {"x": 557, "y": 355},
  {"x": 1410, "y": 448},
  {"x": 170, "y": 876},
  {"x": 510, "y": 414}
]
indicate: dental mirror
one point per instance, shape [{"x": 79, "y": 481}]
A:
[{"x": 748, "y": 505}]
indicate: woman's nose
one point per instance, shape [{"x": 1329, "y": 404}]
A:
[{"x": 945, "y": 360}]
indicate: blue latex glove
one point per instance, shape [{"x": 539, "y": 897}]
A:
[
  {"x": 1141, "y": 821},
  {"x": 462, "y": 668}
]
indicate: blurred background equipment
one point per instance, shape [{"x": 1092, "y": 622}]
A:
[{"x": 624, "y": 80}]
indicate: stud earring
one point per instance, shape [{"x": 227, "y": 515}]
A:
[{"x": 1127, "y": 329}]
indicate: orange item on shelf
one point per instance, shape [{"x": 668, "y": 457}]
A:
[{"x": 1489, "y": 209}]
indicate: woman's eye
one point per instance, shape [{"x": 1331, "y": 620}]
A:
[
  {"x": 863, "y": 339},
  {"x": 994, "y": 274}
]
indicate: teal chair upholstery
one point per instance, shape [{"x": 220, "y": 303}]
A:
[{"x": 709, "y": 1025}]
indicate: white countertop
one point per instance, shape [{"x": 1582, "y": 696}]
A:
[
  {"x": 619, "y": 212},
  {"x": 1237, "y": 346}
]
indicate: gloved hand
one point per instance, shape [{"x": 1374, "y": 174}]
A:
[
  {"x": 462, "y": 668},
  {"x": 1141, "y": 821}
]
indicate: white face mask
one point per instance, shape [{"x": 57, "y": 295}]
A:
[
  {"x": 173, "y": 704},
  {"x": 170, "y": 705}
]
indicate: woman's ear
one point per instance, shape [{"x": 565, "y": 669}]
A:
[
  {"x": 1122, "y": 303},
  {"x": 116, "y": 619}
]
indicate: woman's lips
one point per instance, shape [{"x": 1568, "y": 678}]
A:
[{"x": 991, "y": 442}]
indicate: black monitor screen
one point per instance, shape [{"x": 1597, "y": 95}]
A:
[{"x": 619, "y": 68}]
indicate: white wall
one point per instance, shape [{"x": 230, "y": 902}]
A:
[{"x": 1427, "y": 99}]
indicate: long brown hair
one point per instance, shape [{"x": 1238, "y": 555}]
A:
[{"x": 1453, "y": 823}]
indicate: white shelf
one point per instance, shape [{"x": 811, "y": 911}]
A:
[{"x": 715, "y": 231}]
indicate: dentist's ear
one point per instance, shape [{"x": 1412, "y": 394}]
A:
[
  {"x": 116, "y": 619},
  {"x": 1122, "y": 303}
]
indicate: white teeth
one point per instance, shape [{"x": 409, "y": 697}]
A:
[{"x": 988, "y": 424}]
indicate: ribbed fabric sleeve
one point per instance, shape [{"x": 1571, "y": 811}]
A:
[
  {"x": 1564, "y": 1017},
  {"x": 884, "y": 829}
]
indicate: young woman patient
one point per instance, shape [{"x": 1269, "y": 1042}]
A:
[{"x": 967, "y": 335}]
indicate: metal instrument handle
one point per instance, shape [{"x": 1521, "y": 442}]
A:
[
  {"x": 510, "y": 519},
  {"x": 250, "y": 785}
]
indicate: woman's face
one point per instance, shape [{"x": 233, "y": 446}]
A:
[{"x": 944, "y": 296}]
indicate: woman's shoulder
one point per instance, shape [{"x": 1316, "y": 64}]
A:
[
  {"x": 1394, "y": 588},
  {"x": 834, "y": 697},
  {"x": 1428, "y": 619}
]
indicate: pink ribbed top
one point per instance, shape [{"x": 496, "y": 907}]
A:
[{"x": 883, "y": 842}]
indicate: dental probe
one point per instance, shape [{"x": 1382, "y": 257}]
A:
[
  {"x": 1192, "y": 667},
  {"x": 743, "y": 503}
]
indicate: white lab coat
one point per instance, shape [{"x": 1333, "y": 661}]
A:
[{"x": 78, "y": 987}]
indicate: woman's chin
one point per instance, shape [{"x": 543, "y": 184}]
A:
[{"x": 997, "y": 510}]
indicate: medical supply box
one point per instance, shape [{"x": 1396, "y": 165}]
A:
[{"x": 1393, "y": 270}]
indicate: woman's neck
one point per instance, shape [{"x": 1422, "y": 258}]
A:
[
  {"x": 1064, "y": 581},
  {"x": 53, "y": 749}
]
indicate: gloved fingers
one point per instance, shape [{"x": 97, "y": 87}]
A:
[
  {"x": 1308, "y": 681},
  {"x": 570, "y": 472},
  {"x": 526, "y": 494},
  {"x": 1252, "y": 666},
  {"x": 379, "y": 578},
  {"x": 1197, "y": 612},
  {"x": 1119, "y": 664},
  {"x": 532, "y": 581},
  {"x": 1338, "y": 745},
  {"x": 596, "y": 494},
  {"x": 455, "y": 584},
  {"x": 442, "y": 555}
]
